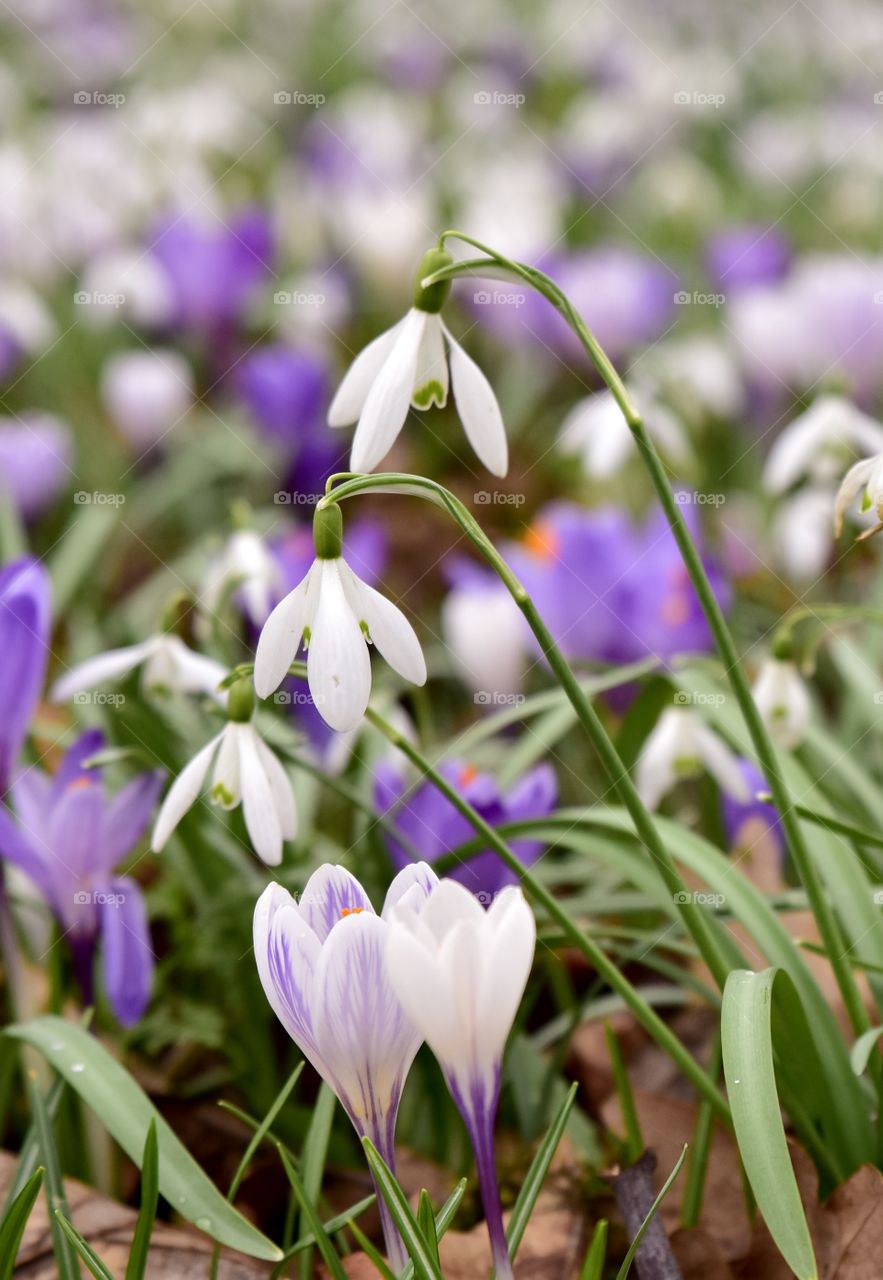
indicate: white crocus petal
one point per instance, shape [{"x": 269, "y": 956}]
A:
[
  {"x": 448, "y": 904},
  {"x": 386, "y": 405},
  {"x": 280, "y": 788},
  {"x": 338, "y": 665},
  {"x": 349, "y": 400},
  {"x": 281, "y": 634},
  {"x": 328, "y": 895},
  {"x": 856, "y": 478},
  {"x": 431, "y": 375},
  {"x": 103, "y": 667},
  {"x": 410, "y": 888},
  {"x": 720, "y": 762},
  {"x": 287, "y": 951},
  {"x": 226, "y": 790},
  {"x": 506, "y": 968},
  {"x": 388, "y": 629},
  {"x": 182, "y": 794},
  {"x": 783, "y": 701},
  {"x": 424, "y": 989},
  {"x": 258, "y": 807},
  {"x": 478, "y": 409}
]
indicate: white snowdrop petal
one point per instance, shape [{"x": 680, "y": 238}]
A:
[
  {"x": 281, "y": 636},
  {"x": 478, "y": 410},
  {"x": 226, "y": 787},
  {"x": 723, "y": 766},
  {"x": 431, "y": 373},
  {"x": 182, "y": 794},
  {"x": 194, "y": 672},
  {"x": 349, "y": 399},
  {"x": 258, "y": 809},
  {"x": 387, "y": 403},
  {"x": 280, "y": 787},
  {"x": 855, "y": 479},
  {"x": 389, "y": 630},
  {"x": 338, "y": 665},
  {"x": 103, "y": 667}
]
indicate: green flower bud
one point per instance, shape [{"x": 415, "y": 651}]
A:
[
  {"x": 328, "y": 531},
  {"x": 240, "y": 700}
]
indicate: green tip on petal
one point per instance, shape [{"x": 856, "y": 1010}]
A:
[
  {"x": 433, "y": 298},
  {"x": 240, "y": 700},
  {"x": 431, "y": 393},
  {"x": 328, "y": 531}
]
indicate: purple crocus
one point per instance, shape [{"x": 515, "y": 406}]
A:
[
  {"x": 322, "y": 963},
  {"x": 25, "y": 626},
  {"x": 432, "y": 826},
  {"x": 68, "y": 837},
  {"x": 747, "y": 821},
  {"x": 35, "y": 461},
  {"x": 749, "y": 254}
]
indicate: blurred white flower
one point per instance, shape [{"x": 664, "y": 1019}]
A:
[
  {"x": 802, "y": 534},
  {"x": 25, "y": 321},
  {"x": 484, "y": 632},
  {"x": 866, "y": 475},
  {"x": 146, "y": 393},
  {"x": 682, "y": 746},
  {"x": 169, "y": 667},
  {"x": 246, "y": 564},
  {"x": 783, "y": 701},
  {"x": 814, "y": 443},
  {"x": 596, "y": 429}
]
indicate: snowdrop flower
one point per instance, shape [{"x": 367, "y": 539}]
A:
[
  {"x": 409, "y": 365},
  {"x": 243, "y": 771},
  {"x": 460, "y": 972},
  {"x": 802, "y": 537},
  {"x": 247, "y": 564},
  {"x": 147, "y": 393},
  {"x": 681, "y": 746},
  {"x": 322, "y": 963},
  {"x": 815, "y": 442},
  {"x": 867, "y": 475},
  {"x": 169, "y": 667},
  {"x": 337, "y": 615},
  {"x": 783, "y": 701},
  {"x": 485, "y": 634},
  {"x": 596, "y": 429}
]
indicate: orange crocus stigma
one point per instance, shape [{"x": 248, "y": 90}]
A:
[
  {"x": 79, "y": 784},
  {"x": 351, "y": 911},
  {"x": 542, "y": 540},
  {"x": 467, "y": 774}
]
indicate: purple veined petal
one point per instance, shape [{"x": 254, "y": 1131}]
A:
[
  {"x": 25, "y": 622},
  {"x": 282, "y": 633},
  {"x": 182, "y": 794},
  {"x": 328, "y": 896},
  {"x": 104, "y": 666},
  {"x": 387, "y": 403},
  {"x": 73, "y": 763},
  {"x": 338, "y": 665},
  {"x": 389, "y": 630},
  {"x": 258, "y": 808},
  {"x": 127, "y": 815},
  {"x": 350, "y": 397},
  {"x": 74, "y": 831},
  {"x": 28, "y": 855},
  {"x": 126, "y": 946},
  {"x": 410, "y": 888},
  {"x": 287, "y": 951},
  {"x": 32, "y": 800}
]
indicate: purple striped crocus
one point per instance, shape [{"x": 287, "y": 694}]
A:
[
  {"x": 460, "y": 972},
  {"x": 25, "y": 625},
  {"x": 68, "y": 837},
  {"x": 322, "y": 960}
]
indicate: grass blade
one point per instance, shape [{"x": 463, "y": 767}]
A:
[
  {"x": 634, "y": 1141},
  {"x": 16, "y": 1220},
  {"x": 329, "y": 1254},
  {"x": 426, "y": 1223},
  {"x": 635, "y": 1244},
  {"x": 55, "y": 1195},
  {"x": 425, "y": 1266},
  {"x": 29, "y": 1154},
  {"x": 536, "y": 1174},
  {"x": 593, "y": 1267},
  {"x": 337, "y": 1223},
  {"x": 372, "y": 1253},
  {"x": 312, "y": 1160},
  {"x": 863, "y": 1048},
  {"x": 746, "y": 1030},
  {"x": 262, "y": 1130},
  {"x": 82, "y": 1247},
  {"x": 137, "y": 1263}
]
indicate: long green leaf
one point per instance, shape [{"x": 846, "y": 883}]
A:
[
  {"x": 137, "y": 1263},
  {"x": 15, "y": 1222},
  {"x": 642, "y": 1230},
  {"x": 425, "y": 1266},
  {"x": 126, "y": 1111},
  {"x": 29, "y": 1155},
  {"x": 536, "y": 1174},
  {"x": 863, "y": 1048},
  {"x": 55, "y": 1194},
  {"x": 326, "y": 1248},
  {"x": 746, "y": 1030},
  {"x": 426, "y": 1222},
  {"x": 99, "y": 1270},
  {"x": 263, "y": 1129},
  {"x": 372, "y": 1253}
]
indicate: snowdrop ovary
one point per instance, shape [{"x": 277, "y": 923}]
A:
[
  {"x": 336, "y": 615},
  {"x": 411, "y": 364}
]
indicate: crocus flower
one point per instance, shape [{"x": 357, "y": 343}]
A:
[
  {"x": 783, "y": 701},
  {"x": 35, "y": 460},
  {"x": 596, "y": 430},
  {"x": 679, "y": 747},
  {"x": 169, "y": 667},
  {"x": 146, "y": 393},
  {"x": 25, "y": 627},
  {"x": 337, "y": 614},
  {"x": 68, "y": 837},
  {"x": 285, "y": 389},
  {"x": 322, "y": 963},
  {"x": 243, "y": 771},
  {"x": 409, "y": 365},
  {"x": 866, "y": 475},
  {"x": 749, "y": 254},
  {"x": 815, "y": 443},
  {"x": 745, "y": 821},
  {"x": 460, "y": 972},
  {"x": 433, "y": 827}
]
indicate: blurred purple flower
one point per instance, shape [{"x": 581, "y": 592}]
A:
[
  {"x": 214, "y": 268},
  {"x": 433, "y": 827},
  {"x": 610, "y": 590},
  {"x": 744, "y": 823},
  {"x": 745, "y": 255},
  {"x": 68, "y": 837},
  {"x": 35, "y": 457},
  {"x": 25, "y": 628}
]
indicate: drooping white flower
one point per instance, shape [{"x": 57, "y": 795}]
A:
[
  {"x": 411, "y": 364},
  {"x": 681, "y": 746},
  {"x": 460, "y": 972},
  {"x": 596, "y": 429},
  {"x": 322, "y": 960},
  {"x": 783, "y": 701},
  {"x": 485, "y": 634},
  {"x": 243, "y": 771},
  {"x": 866, "y": 475},
  {"x": 169, "y": 667},
  {"x": 802, "y": 536},
  {"x": 816, "y": 442},
  {"x": 247, "y": 564},
  {"x": 337, "y": 615}
]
